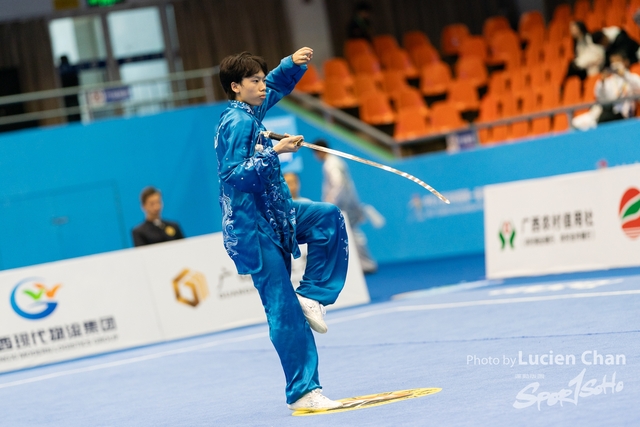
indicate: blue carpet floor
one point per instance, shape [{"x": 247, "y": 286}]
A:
[{"x": 466, "y": 339}]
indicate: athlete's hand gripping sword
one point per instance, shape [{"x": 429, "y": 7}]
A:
[{"x": 418, "y": 181}]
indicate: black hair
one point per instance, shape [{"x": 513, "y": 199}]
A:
[
  {"x": 148, "y": 192},
  {"x": 236, "y": 67},
  {"x": 582, "y": 27},
  {"x": 597, "y": 37},
  {"x": 621, "y": 53}
]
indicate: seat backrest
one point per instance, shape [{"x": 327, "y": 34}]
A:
[
  {"x": 571, "y": 91},
  {"x": 393, "y": 81},
  {"x": 529, "y": 20},
  {"x": 424, "y": 55},
  {"x": 383, "y": 43},
  {"x": 474, "y": 46},
  {"x": 357, "y": 47},
  {"x": 410, "y": 97},
  {"x": 416, "y": 38},
  {"x": 437, "y": 72},
  {"x": 488, "y": 109},
  {"x": 562, "y": 13},
  {"x": 462, "y": 91},
  {"x": 376, "y": 109},
  {"x": 410, "y": 124},
  {"x": 445, "y": 116},
  {"x": 366, "y": 64},
  {"x": 580, "y": 10},
  {"x": 471, "y": 67},
  {"x": 363, "y": 84},
  {"x": 494, "y": 24},
  {"x": 336, "y": 67},
  {"x": 452, "y": 37},
  {"x": 588, "y": 86},
  {"x": 338, "y": 94}
]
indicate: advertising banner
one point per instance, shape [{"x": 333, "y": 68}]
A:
[
  {"x": 100, "y": 303},
  {"x": 576, "y": 222},
  {"x": 197, "y": 290},
  {"x": 74, "y": 308}
]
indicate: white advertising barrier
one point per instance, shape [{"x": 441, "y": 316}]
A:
[
  {"x": 100, "y": 303},
  {"x": 576, "y": 222},
  {"x": 197, "y": 290},
  {"x": 74, "y": 308}
]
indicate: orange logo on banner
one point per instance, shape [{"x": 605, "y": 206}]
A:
[{"x": 190, "y": 287}]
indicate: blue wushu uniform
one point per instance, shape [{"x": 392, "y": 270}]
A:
[{"x": 262, "y": 227}]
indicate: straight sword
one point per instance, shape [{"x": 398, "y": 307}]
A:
[{"x": 278, "y": 137}]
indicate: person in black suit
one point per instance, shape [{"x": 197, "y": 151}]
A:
[{"x": 154, "y": 229}]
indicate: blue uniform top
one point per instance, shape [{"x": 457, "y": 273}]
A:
[{"x": 254, "y": 197}]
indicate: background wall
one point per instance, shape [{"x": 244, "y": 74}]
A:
[{"x": 73, "y": 190}]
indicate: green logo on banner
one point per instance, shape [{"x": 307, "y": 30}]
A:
[{"x": 507, "y": 234}]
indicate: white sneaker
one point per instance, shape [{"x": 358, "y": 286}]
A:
[
  {"x": 314, "y": 312},
  {"x": 314, "y": 401}
]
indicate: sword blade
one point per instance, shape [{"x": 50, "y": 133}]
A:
[{"x": 406, "y": 175}]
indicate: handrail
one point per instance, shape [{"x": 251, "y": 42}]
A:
[{"x": 178, "y": 93}]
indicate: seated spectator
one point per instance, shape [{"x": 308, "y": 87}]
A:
[
  {"x": 615, "y": 83},
  {"x": 154, "y": 229},
  {"x": 293, "y": 182},
  {"x": 589, "y": 56},
  {"x": 614, "y": 40}
]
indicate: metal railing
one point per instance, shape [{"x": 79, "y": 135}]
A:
[{"x": 153, "y": 95}]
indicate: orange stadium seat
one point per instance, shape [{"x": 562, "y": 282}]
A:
[
  {"x": 562, "y": 13},
  {"x": 463, "y": 94},
  {"x": 536, "y": 78},
  {"x": 557, "y": 30},
  {"x": 527, "y": 101},
  {"x": 338, "y": 94},
  {"x": 534, "y": 35},
  {"x": 399, "y": 60},
  {"x": 384, "y": 43},
  {"x": 494, "y": 24},
  {"x": 410, "y": 124},
  {"x": 505, "y": 48},
  {"x": 411, "y": 98},
  {"x": 498, "y": 83},
  {"x": 594, "y": 21},
  {"x": 635, "y": 68},
  {"x": 528, "y": 22},
  {"x": 472, "y": 68},
  {"x": 394, "y": 82},
  {"x": 474, "y": 46},
  {"x": 424, "y": 55},
  {"x": 363, "y": 84},
  {"x": 533, "y": 56},
  {"x": 588, "y": 86},
  {"x": 600, "y": 6},
  {"x": 452, "y": 37},
  {"x": 445, "y": 117},
  {"x": 337, "y": 68},
  {"x": 615, "y": 17},
  {"x": 376, "y": 110},
  {"x": 368, "y": 64},
  {"x": 488, "y": 113},
  {"x": 357, "y": 47},
  {"x": 412, "y": 39},
  {"x": 580, "y": 10},
  {"x": 435, "y": 79},
  {"x": 311, "y": 82},
  {"x": 571, "y": 92}
]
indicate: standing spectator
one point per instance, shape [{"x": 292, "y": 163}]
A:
[
  {"x": 615, "y": 40},
  {"x": 154, "y": 229},
  {"x": 338, "y": 188},
  {"x": 360, "y": 23},
  {"x": 589, "y": 56},
  {"x": 616, "y": 82},
  {"x": 293, "y": 182},
  {"x": 69, "y": 78}
]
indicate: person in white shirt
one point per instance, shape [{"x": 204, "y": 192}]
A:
[
  {"x": 338, "y": 188},
  {"x": 615, "y": 83}
]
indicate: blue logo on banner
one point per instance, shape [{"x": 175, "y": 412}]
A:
[{"x": 33, "y": 300}]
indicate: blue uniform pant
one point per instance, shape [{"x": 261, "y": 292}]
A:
[{"x": 321, "y": 226}]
